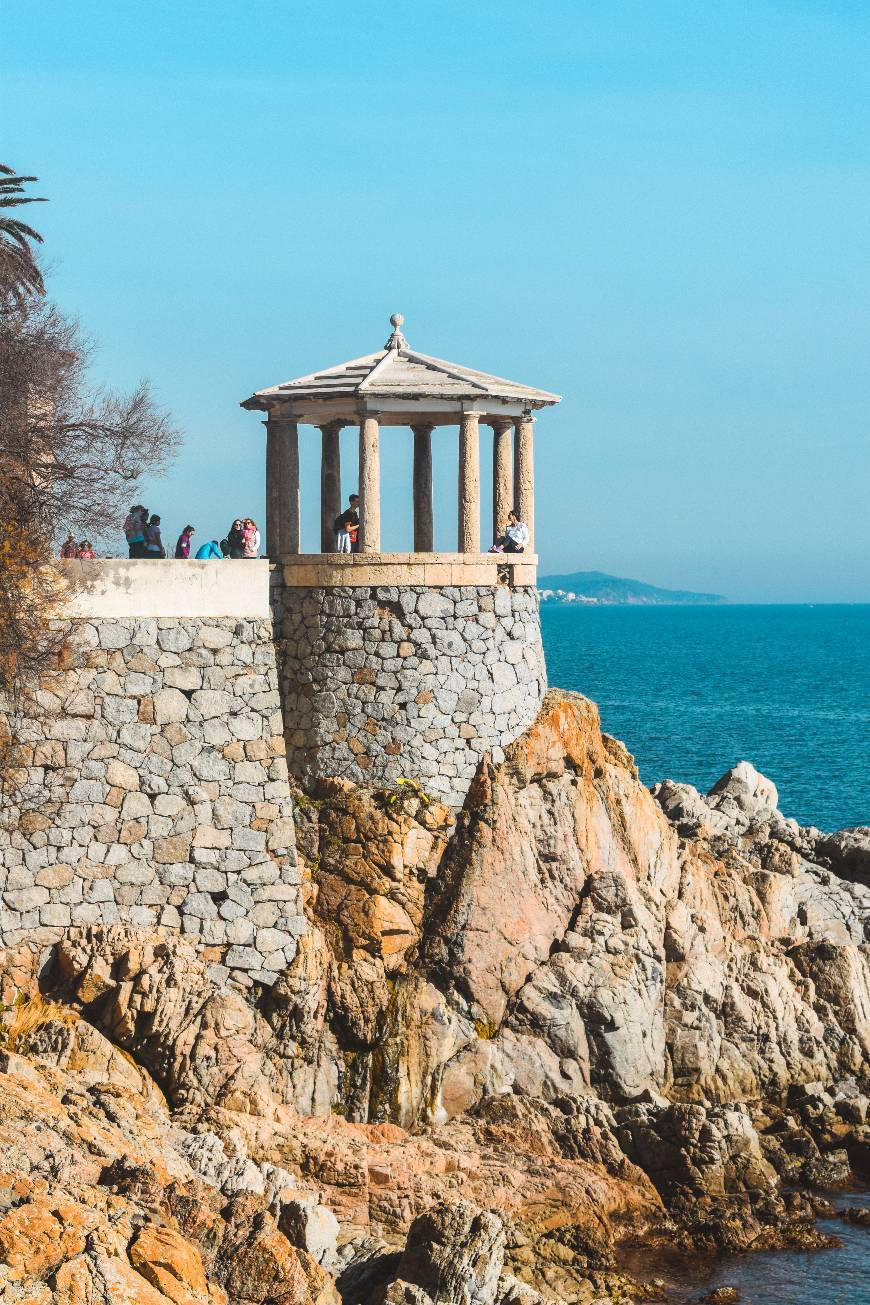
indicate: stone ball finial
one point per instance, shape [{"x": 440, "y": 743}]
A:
[{"x": 397, "y": 340}]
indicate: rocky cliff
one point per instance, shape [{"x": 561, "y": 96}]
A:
[{"x": 577, "y": 1017}]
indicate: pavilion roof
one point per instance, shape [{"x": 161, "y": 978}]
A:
[{"x": 399, "y": 372}]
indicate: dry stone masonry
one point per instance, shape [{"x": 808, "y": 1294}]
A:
[
  {"x": 407, "y": 681},
  {"x": 155, "y": 766},
  {"x": 156, "y": 793}
]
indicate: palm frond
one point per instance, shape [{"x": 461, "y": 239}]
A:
[
  {"x": 20, "y": 275},
  {"x": 19, "y": 231},
  {"x": 7, "y": 202}
]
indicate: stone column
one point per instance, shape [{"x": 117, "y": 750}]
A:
[
  {"x": 469, "y": 484},
  {"x": 291, "y": 517},
  {"x": 424, "y": 521},
  {"x": 282, "y": 486},
  {"x": 274, "y": 487},
  {"x": 330, "y": 484},
  {"x": 524, "y": 475},
  {"x": 370, "y": 485},
  {"x": 502, "y": 473}
]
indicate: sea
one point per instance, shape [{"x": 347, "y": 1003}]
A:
[{"x": 693, "y": 690}]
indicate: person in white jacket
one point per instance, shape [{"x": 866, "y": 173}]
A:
[{"x": 515, "y": 538}]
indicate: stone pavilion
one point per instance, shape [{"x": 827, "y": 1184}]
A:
[
  {"x": 398, "y": 387},
  {"x": 403, "y": 665}
]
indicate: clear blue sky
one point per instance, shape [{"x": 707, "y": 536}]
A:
[{"x": 658, "y": 208}]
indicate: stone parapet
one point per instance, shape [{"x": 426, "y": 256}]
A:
[
  {"x": 118, "y": 587},
  {"x": 435, "y": 570},
  {"x": 406, "y": 681},
  {"x": 155, "y": 793}
]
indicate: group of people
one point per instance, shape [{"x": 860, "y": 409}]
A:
[
  {"x": 142, "y": 532},
  {"x": 243, "y": 539},
  {"x": 515, "y": 538},
  {"x": 70, "y": 549}
]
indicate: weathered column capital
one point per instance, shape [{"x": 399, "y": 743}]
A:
[
  {"x": 276, "y": 417},
  {"x": 500, "y": 423}
]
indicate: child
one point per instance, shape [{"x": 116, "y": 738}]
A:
[
  {"x": 182, "y": 547},
  {"x": 251, "y": 537}
]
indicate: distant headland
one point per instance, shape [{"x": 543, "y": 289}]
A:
[{"x": 597, "y": 587}]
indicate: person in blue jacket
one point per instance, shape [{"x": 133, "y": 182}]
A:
[{"x": 211, "y": 549}]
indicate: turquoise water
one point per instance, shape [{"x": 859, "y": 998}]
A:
[{"x": 692, "y": 690}]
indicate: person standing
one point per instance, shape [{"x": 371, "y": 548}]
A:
[
  {"x": 347, "y": 527},
  {"x": 182, "y": 546},
  {"x": 69, "y": 548},
  {"x": 86, "y": 551},
  {"x": 236, "y": 539},
  {"x": 134, "y": 530},
  {"x": 153, "y": 542}
]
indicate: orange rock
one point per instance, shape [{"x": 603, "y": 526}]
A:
[
  {"x": 265, "y": 1267},
  {"x": 170, "y": 1263},
  {"x": 36, "y": 1237}
]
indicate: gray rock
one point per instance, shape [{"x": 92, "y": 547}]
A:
[
  {"x": 848, "y": 853},
  {"x": 455, "y": 1254},
  {"x": 213, "y": 703},
  {"x": 170, "y": 706},
  {"x": 174, "y": 638},
  {"x": 312, "y": 1228},
  {"x": 25, "y": 899}
]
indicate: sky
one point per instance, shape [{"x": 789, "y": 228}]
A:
[{"x": 655, "y": 208}]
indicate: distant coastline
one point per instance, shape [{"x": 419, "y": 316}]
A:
[{"x": 598, "y": 588}]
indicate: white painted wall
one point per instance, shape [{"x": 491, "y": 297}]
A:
[{"x": 169, "y": 588}]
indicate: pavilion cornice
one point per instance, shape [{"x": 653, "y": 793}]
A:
[{"x": 394, "y": 412}]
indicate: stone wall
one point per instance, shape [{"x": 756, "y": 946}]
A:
[
  {"x": 409, "y": 681},
  {"x": 154, "y": 768},
  {"x": 156, "y": 792}
]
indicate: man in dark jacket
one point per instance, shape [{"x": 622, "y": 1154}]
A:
[{"x": 347, "y": 527}]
